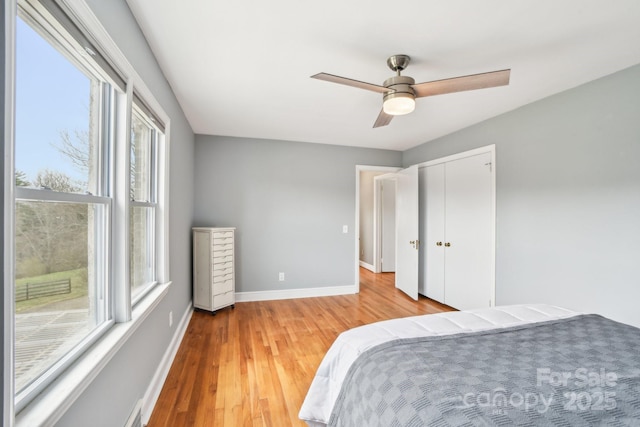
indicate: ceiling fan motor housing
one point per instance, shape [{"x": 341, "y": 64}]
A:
[{"x": 399, "y": 84}]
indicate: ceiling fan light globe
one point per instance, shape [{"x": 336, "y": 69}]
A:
[{"x": 399, "y": 105}]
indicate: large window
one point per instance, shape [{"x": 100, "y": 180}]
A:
[
  {"x": 62, "y": 206},
  {"x": 88, "y": 212}
]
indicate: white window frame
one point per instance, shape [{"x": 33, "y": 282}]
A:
[
  {"x": 58, "y": 396},
  {"x": 9, "y": 11},
  {"x": 156, "y": 147}
]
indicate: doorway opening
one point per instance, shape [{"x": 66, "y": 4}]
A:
[{"x": 375, "y": 220}]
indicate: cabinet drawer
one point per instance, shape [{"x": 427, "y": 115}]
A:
[
  {"x": 223, "y": 287},
  {"x": 227, "y": 252},
  {"x": 224, "y": 272},
  {"x": 225, "y": 247},
  {"x": 222, "y": 259},
  {"x": 224, "y": 241},
  {"x": 221, "y": 265},
  {"x": 222, "y": 235},
  {"x": 223, "y": 300},
  {"x": 223, "y": 277}
]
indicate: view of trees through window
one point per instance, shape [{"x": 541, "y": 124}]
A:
[
  {"x": 143, "y": 202},
  {"x": 58, "y": 295}
]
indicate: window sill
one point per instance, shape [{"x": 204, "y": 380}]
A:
[{"x": 48, "y": 407}]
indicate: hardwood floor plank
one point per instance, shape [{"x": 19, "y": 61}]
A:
[{"x": 252, "y": 365}]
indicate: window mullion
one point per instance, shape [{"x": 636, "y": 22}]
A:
[{"x": 120, "y": 182}]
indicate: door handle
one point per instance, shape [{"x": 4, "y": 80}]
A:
[
  {"x": 447, "y": 244},
  {"x": 415, "y": 243},
  {"x": 438, "y": 243}
]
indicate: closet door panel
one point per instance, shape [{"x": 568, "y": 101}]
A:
[
  {"x": 468, "y": 240},
  {"x": 434, "y": 242}
]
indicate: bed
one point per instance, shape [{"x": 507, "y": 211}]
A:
[{"x": 511, "y": 365}]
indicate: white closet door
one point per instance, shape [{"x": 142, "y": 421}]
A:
[
  {"x": 407, "y": 231},
  {"x": 433, "y": 246},
  {"x": 468, "y": 270}
]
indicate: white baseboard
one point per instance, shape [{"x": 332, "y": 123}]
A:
[
  {"x": 368, "y": 266},
  {"x": 295, "y": 293},
  {"x": 155, "y": 387}
]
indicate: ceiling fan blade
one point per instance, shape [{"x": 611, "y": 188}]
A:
[
  {"x": 383, "y": 119},
  {"x": 349, "y": 82},
  {"x": 459, "y": 84}
]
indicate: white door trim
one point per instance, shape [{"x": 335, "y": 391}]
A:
[
  {"x": 356, "y": 232},
  {"x": 377, "y": 223}
]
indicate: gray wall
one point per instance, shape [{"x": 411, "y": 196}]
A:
[
  {"x": 568, "y": 196},
  {"x": 289, "y": 201},
  {"x": 111, "y": 396}
]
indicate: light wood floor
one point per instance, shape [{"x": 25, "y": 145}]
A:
[{"x": 252, "y": 366}]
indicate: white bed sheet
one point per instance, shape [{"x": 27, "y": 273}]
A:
[{"x": 326, "y": 385}]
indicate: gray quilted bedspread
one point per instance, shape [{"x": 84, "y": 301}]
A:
[{"x": 584, "y": 370}]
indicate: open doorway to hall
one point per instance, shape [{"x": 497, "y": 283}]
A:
[{"x": 376, "y": 244}]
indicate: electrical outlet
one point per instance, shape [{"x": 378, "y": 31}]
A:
[
  {"x": 281, "y": 277},
  {"x": 345, "y": 229},
  {"x": 170, "y": 318}
]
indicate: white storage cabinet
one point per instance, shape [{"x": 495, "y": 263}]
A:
[{"x": 213, "y": 268}]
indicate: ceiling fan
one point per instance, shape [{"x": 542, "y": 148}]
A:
[{"x": 399, "y": 92}]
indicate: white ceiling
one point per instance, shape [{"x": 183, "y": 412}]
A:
[{"x": 242, "y": 68}]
